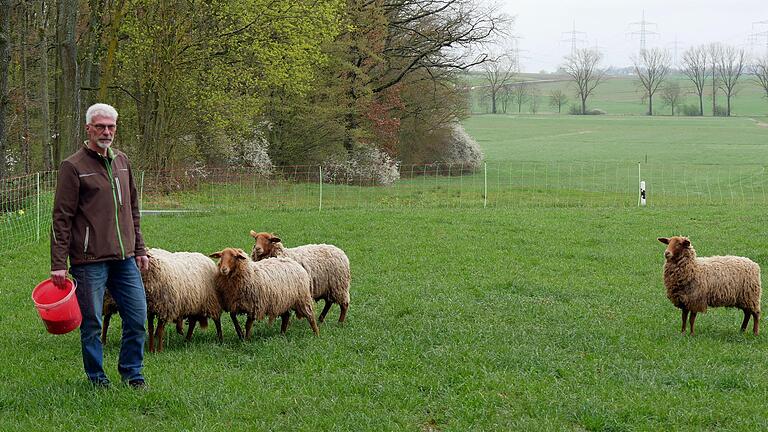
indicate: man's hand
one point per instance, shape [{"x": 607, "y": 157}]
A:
[
  {"x": 59, "y": 278},
  {"x": 142, "y": 262}
]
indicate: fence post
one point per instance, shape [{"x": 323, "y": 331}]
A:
[
  {"x": 37, "y": 231},
  {"x": 321, "y": 188},
  {"x": 485, "y": 184},
  {"x": 639, "y": 183}
]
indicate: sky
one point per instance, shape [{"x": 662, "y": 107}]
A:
[{"x": 542, "y": 27}]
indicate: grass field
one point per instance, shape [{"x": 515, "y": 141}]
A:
[
  {"x": 509, "y": 318},
  {"x": 621, "y": 96}
]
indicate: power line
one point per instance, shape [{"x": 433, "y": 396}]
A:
[
  {"x": 676, "y": 46},
  {"x": 575, "y": 36},
  {"x": 755, "y": 37},
  {"x": 643, "y": 30}
]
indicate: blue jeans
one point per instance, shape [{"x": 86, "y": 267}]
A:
[{"x": 123, "y": 280}]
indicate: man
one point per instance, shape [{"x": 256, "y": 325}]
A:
[{"x": 96, "y": 226}]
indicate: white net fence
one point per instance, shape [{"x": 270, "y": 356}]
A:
[{"x": 26, "y": 202}]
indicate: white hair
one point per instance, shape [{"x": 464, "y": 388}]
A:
[{"x": 100, "y": 109}]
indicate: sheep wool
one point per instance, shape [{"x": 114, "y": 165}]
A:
[
  {"x": 327, "y": 265},
  {"x": 270, "y": 288},
  {"x": 695, "y": 283}
]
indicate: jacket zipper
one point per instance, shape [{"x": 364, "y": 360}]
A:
[
  {"x": 119, "y": 191},
  {"x": 108, "y": 164}
]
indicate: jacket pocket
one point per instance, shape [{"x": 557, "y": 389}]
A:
[{"x": 85, "y": 242}]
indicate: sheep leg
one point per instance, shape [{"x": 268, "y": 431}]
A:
[
  {"x": 747, "y": 314},
  {"x": 693, "y": 318},
  {"x": 249, "y": 326},
  {"x": 344, "y": 307},
  {"x": 313, "y": 324},
  {"x": 755, "y": 323},
  {"x": 104, "y": 328},
  {"x": 180, "y": 326},
  {"x": 685, "y": 320},
  {"x": 160, "y": 334},
  {"x": 284, "y": 324},
  {"x": 326, "y": 308},
  {"x": 151, "y": 329},
  {"x": 192, "y": 323},
  {"x": 236, "y": 323},
  {"x": 219, "y": 334}
]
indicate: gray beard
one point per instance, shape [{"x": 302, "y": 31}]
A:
[{"x": 102, "y": 145}]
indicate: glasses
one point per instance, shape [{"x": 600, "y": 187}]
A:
[{"x": 100, "y": 127}]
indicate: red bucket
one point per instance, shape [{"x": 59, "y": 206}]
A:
[{"x": 57, "y": 307}]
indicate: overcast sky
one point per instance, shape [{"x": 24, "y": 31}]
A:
[{"x": 542, "y": 27}]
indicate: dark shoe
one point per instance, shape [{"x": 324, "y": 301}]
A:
[
  {"x": 104, "y": 384},
  {"x": 138, "y": 384}
]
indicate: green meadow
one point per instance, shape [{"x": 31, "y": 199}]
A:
[{"x": 545, "y": 310}]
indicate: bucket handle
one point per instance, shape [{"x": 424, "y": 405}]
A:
[{"x": 60, "y": 302}]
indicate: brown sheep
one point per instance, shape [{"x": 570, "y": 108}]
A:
[{"x": 695, "y": 283}]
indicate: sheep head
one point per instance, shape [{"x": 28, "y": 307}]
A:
[
  {"x": 676, "y": 247},
  {"x": 229, "y": 259},
  {"x": 264, "y": 244}
]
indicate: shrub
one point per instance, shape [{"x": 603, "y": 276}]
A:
[
  {"x": 595, "y": 111},
  {"x": 720, "y": 111},
  {"x": 253, "y": 151},
  {"x": 459, "y": 148},
  {"x": 363, "y": 166},
  {"x": 574, "y": 110},
  {"x": 690, "y": 110}
]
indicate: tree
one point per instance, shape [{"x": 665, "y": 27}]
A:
[
  {"x": 520, "y": 92},
  {"x": 582, "y": 67},
  {"x": 558, "y": 98},
  {"x": 695, "y": 69},
  {"x": 534, "y": 94},
  {"x": 713, "y": 52},
  {"x": 652, "y": 68},
  {"x": 5, "y": 60},
  {"x": 68, "y": 129},
  {"x": 498, "y": 72},
  {"x": 671, "y": 95},
  {"x": 760, "y": 73},
  {"x": 730, "y": 67}
]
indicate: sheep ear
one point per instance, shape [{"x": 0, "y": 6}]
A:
[
  {"x": 663, "y": 240},
  {"x": 274, "y": 239},
  {"x": 686, "y": 243},
  {"x": 254, "y": 234},
  {"x": 241, "y": 255},
  {"x": 215, "y": 254}
]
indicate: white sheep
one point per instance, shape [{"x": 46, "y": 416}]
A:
[
  {"x": 695, "y": 283},
  {"x": 327, "y": 265},
  {"x": 272, "y": 288}
]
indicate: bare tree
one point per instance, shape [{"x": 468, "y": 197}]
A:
[
  {"x": 695, "y": 68},
  {"x": 730, "y": 67},
  {"x": 713, "y": 52},
  {"x": 557, "y": 98},
  {"x": 652, "y": 68},
  {"x": 498, "y": 73},
  {"x": 5, "y": 60},
  {"x": 534, "y": 94},
  {"x": 582, "y": 67},
  {"x": 760, "y": 73},
  {"x": 68, "y": 82},
  {"x": 671, "y": 95},
  {"x": 520, "y": 91}
]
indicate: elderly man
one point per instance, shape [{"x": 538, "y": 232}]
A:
[{"x": 96, "y": 226}]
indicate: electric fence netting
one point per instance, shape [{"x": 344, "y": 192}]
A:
[{"x": 26, "y": 202}]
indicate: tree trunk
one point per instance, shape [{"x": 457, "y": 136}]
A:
[
  {"x": 5, "y": 60},
  {"x": 45, "y": 129},
  {"x": 583, "y": 106},
  {"x": 109, "y": 60},
  {"x": 25, "y": 138},
  {"x": 90, "y": 70},
  {"x": 493, "y": 102},
  {"x": 68, "y": 96},
  {"x": 650, "y": 105},
  {"x": 714, "y": 92},
  {"x": 701, "y": 103},
  {"x": 728, "y": 102}
]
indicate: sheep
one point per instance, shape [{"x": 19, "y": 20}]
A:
[
  {"x": 266, "y": 288},
  {"x": 695, "y": 283},
  {"x": 327, "y": 265},
  {"x": 110, "y": 308},
  {"x": 180, "y": 285}
]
